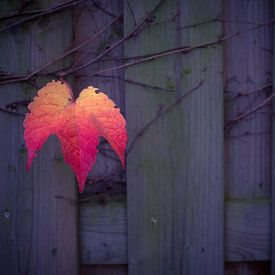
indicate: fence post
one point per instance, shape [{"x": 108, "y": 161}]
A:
[
  {"x": 175, "y": 168},
  {"x": 38, "y": 209}
]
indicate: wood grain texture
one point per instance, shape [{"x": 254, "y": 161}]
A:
[
  {"x": 175, "y": 173},
  {"x": 104, "y": 227},
  {"x": 38, "y": 209},
  {"x": 248, "y": 231},
  {"x": 247, "y": 67},
  {"x": 247, "y": 61},
  {"x": 89, "y": 19},
  {"x": 103, "y": 231},
  {"x": 103, "y": 237}
]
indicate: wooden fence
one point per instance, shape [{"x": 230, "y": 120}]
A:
[{"x": 194, "y": 80}]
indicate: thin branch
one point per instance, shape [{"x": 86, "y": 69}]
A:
[
  {"x": 19, "y": 13},
  {"x": 19, "y": 102},
  {"x": 7, "y": 80},
  {"x": 246, "y": 93},
  {"x": 11, "y": 111},
  {"x": 217, "y": 19},
  {"x": 11, "y": 107},
  {"x": 186, "y": 49},
  {"x": 130, "y": 81},
  {"x": 160, "y": 114},
  {"x": 183, "y": 49},
  {"x": 98, "y": 6},
  {"x": 132, "y": 33},
  {"x": 247, "y": 133},
  {"x": 48, "y": 11},
  {"x": 199, "y": 23},
  {"x": 157, "y": 23},
  {"x": 101, "y": 177},
  {"x": 253, "y": 110}
]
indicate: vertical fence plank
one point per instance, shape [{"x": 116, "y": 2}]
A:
[
  {"x": 247, "y": 61},
  {"x": 175, "y": 169},
  {"x": 96, "y": 17},
  {"x": 97, "y": 245},
  {"x": 37, "y": 209}
]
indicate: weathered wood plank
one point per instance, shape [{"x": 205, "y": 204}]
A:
[
  {"x": 103, "y": 231},
  {"x": 247, "y": 61},
  {"x": 175, "y": 173},
  {"x": 247, "y": 68},
  {"x": 103, "y": 227},
  {"x": 38, "y": 210},
  {"x": 103, "y": 235},
  {"x": 247, "y": 231},
  {"x": 89, "y": 20}
]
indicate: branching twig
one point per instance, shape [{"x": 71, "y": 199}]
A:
[
  {"x": 144, "y": 85},
  {"x": 187, "y": 49},
  {"x": 247, "y": 133},
  {"x": 132, "y": 33},
  {"x": 247, "y": 93},
  {"x": 98, "y": 6},
  {"x": 253, "y": 110},
  {"x": 160, "y": 114},
  {"x": 217, "y": 19},
  {"x": 232, "y": 122},
  {"x": 11, "y": 79},
  {"x": 183, "y": 49},
  {"x": 44, "y": 12}
]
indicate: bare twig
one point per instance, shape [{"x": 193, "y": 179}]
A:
[
  {"x": 247, "y": 133},
  {"x": 199, "y": 23},
  {"x": 137, "y": 28},
  {"x": 160, "y": 114},
  {"x": 101, "y": 177},
  {"x": 11, "y": 111},
  {"x": 253, "y": 110},
  {"x": 19, "y": 14},
  {"x": 130, "y": 81},
  {"x": 44, "y": 12},
  {"x": 11, "y": 107},
  {"x": 18, "y": 102},
  {"x": 217, "y": 19},
  {"x": 187, "y": 49},
  {"x": 248, "y": 93},
  {"x": 98, "y": 6},
  {"x": 132, "y": 33},
  {"x": 7, "y": 80}
]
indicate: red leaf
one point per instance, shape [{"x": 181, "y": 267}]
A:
[{"x": 78, "y": 125}]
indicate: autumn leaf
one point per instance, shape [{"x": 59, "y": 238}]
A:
[{"x": 77, "y": 123}]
